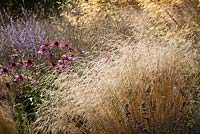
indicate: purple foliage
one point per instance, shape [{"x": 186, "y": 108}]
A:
[{"x": 23, "y": 34}]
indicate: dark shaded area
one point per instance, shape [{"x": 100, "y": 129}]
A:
[{"x": 15, "y": 7}]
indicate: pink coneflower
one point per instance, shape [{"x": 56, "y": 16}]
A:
[
  {"x": 56, "y": 44},
  {"x": 69, "y": 47},
  {"x": 19, "y": 64},
  {"x": 13, "y": 64},
  {"x": 43, "y": 51},
  {"x": 10, "y": 68},
  {"x": 53, "y": 44},
  {"x": 61, "y": 61},
  {"x": 53, "y": 64},
  {"x": 51, "y": 56},
  {"x": 66, "y": 47},
  {"x": 29, "y": 62},
  {"x": 62, "y": 46},
  {"x": 44, "y": 45},
  {"x": 5, "y": 70},
  {"x": 20, "y": 78},
  {"x": 71, "y": 58}
]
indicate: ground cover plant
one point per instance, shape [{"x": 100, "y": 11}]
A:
[{"x": 102, "y": 67}]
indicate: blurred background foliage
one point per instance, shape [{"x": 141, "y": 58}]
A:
[{"x": 16, "y": 6}]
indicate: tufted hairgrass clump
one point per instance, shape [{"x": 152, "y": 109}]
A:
[
  {"x": 141, "y": 79},
  {"x": 139, "y": 89}
]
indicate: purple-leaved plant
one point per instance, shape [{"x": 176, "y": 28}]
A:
[{"x": 24, "y": 34}]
